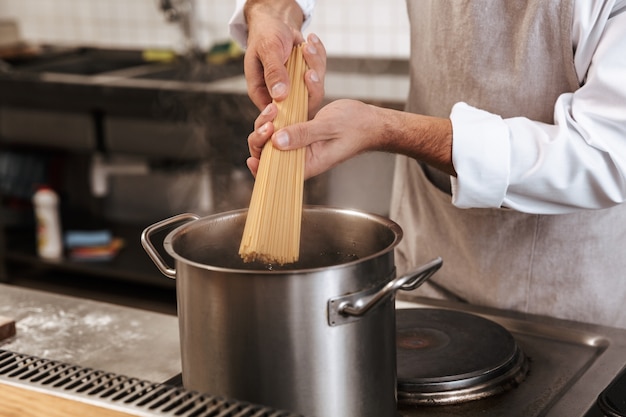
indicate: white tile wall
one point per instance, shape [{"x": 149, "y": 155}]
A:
[
  {"x": 363, "y": 27},
  {"x": 360, "y": 28}
]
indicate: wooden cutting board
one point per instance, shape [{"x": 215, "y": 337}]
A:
[
  {"x": 7, "y": 327},
  {"x": 21, "y": 402}
]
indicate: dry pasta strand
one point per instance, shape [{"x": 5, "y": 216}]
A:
[{"x": 272, "y": 230}]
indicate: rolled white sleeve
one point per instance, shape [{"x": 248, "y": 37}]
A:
[
  {"x": 579, "y": 162},
  {"x": 481, "y": 161},
  {"x": 239, "y": 29}
]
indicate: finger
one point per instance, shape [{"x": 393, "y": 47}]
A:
[
  {"x": 291, "y": 137},
  {"x": 263, "y": 129},
  {"x": 253, "y": 165},
  {"x": 320, "y": 155},
  {"x": 255, "y": 81},
  {"x": 315, "y": 90},
  {"x": 274, "y": 70},
  {"x": 258, "y": 138},
  {"x": 315, "y": 56},
  {"x": 268, "y": 114}
]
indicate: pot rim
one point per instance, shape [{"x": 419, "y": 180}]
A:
[{"x": 384, "y": 221}]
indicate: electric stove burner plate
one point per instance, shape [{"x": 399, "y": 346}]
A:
[{"x": 449, "y": 357}]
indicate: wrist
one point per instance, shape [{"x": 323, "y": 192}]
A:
[{"x": 287, "y": 11}]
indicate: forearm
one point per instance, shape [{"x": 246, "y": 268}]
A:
[{"x": 424, "y": 138}]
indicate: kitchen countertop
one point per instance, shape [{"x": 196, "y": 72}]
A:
[
  {"x": 380, "y": 81},
  {"x": 580, "y": 359},
  {"x": 112, "y": 338}
]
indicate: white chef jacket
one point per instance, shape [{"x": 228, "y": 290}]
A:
[{"x": 578, "y": 162}]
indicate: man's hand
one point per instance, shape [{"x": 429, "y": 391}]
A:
[
  {"x": 315, "y": 56},
  {"x": 274, "y": 27},
  {"x": 346, "y": 128}
]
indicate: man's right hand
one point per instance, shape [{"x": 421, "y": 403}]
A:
[{"x": 274, "y": 27}]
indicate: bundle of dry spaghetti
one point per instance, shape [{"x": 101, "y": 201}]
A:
[{"x": 272, "y": 231}]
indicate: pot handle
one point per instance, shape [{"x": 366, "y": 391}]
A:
[
  {"x": 150, "y": 249},
  {"x": 348, "y": 308}
]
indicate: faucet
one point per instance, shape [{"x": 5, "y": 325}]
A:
[
  {"x": 182, "y": 12},
  {"x": 175, "y": 10}
]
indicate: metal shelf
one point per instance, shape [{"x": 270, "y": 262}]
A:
[{"x": 131, "y": 263}]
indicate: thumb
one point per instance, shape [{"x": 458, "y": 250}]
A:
[
  {"x": 276, "y": 76},
  {"x": 291, "y": 137}
]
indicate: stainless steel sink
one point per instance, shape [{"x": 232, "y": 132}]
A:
[
  {"x": 101, "y": 63},
  {"x": 193, "y": 71},
  {"x": 81, "y": 61}
]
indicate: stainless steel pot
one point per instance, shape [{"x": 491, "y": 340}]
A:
[{"x": 316, "y": 337}]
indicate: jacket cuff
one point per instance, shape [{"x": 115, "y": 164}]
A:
[
  {"x": 481, "y": 157},
  {"x": 238, "y": 27}
]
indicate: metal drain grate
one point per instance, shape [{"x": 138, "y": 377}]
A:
[{"x": 120, "y": 392}]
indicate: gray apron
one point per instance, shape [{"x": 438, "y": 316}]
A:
[{"x": 512, "y": 58}]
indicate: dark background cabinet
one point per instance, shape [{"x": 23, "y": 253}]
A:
[{"x": 75, "y": 114}]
